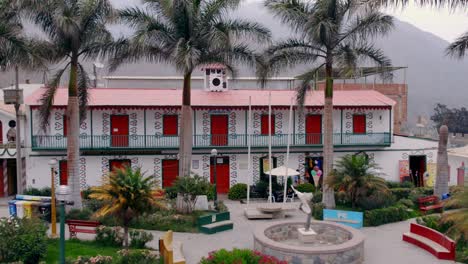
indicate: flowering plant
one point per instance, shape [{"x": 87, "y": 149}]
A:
[{"x": 239, "y": 256}]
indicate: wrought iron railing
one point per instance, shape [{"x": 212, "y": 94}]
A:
[{"x": 99, "y": 142}]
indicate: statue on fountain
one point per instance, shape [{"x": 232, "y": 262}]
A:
[{"x": 306, "y": 234}]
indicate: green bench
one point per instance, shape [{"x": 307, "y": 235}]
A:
[{"x": 213, "y": 223}]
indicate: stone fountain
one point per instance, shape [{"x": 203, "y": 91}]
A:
[{"x": 312, "y": 242}]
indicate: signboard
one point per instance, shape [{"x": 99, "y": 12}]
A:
[
  {"x": 403, "y": 169},
  {"x": 349, "y": 218},
  {"x": 13, "y": 96},
  {"x": 432, "y": 171}
]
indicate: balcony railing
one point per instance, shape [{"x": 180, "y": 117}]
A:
[{"x": 103, "y": 142}]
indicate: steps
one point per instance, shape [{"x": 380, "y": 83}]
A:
[{"x": 214, "y": 223}]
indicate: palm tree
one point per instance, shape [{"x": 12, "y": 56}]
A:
[
  {"x": 459, "y": 217},
  {"x": 331, "y": 34},
  {"x": 356, "y": 176},
  {"x": 187, "y": 34},
  {"x": 459, "y": 46},
  {"x": 127, "y": 193},
  {"x": 77, "y": 29}
]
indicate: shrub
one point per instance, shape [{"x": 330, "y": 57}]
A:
[
  {"x": 317, "y": 211},
  {"x": 23, "y": 240},
  {"x": 171, "y": 192},
  {"x": 238, "y": 191},
  {"x": 79, "y": 214},
  {"x": 406, "y": 202},
  {"x": 317, "y": 197},
  {"x": 38, "y": 192},
  {"x": 261, "y": 188},
  {"x": 189, "y": 187},
  {"x": 166, "y": 220},
  {"x": 434, "y": 222},
  {"x": 137, "y": 256},
  {"x": 376, "y": 200},
  {"x": 244, "y": 256},
  {"x": 139, "y": 238},
  {"x": 385, "y": 215},
  {"x": 93, "y": 204},
  {"x": 305, "y": 187},
  {"x": 401, "y": 193},
  {"x": 342, "y": 198},
  {"x": 109, "y": 236},
  {"x": 406, "y": 184},
  {"x": 93, "y": 260}
]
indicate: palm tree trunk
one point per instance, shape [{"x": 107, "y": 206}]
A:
[
  {"x": 126, "y": 236},
  {"x": 73, "y": 147},
  {"x": 328, "y": 195},
  {"x": 185, "y": 137}
]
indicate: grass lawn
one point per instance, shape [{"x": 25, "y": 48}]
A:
[{"x": 75, "y": 248}]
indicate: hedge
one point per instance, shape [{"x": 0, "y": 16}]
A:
[
  {"x": 238, "y": 191},
  {"x": 385, "y": 215},
  {"x": 305, "y": 187}
]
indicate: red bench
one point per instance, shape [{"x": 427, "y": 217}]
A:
[
  {"x": 430, "y": 203},
  {"x": 73, "y": 227},
  {"x": 429, "y": 239}
]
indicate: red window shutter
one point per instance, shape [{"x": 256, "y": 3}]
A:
[
  {"x": 264, "y": 121},
  {"x": 170, "y": 125},
  {"x": 359, "y": 124},
  {"x": 65, "y": 125},
  {"x": 63, "y": 172}
]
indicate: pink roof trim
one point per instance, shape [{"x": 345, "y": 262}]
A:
[{"x": 236, "y": 98}]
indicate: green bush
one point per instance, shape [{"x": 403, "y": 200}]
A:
[
  {"x": 261, "y": 188},
  {"x": 393, "y": 185},
  {"x": 235, "y": 256},
  {"x": 79, "y": 214},
  {"x": 406, "y": 202},
  {"x": 189, "y": 187},
  {"x": 385, "y": 215},
  {"x": 22, "y": 240},
  {"x": 109, "y": 236},
  {"x": 139, "y": 238},
  {"x": 433, "y": 221},
  {"x": 376, "y": 200},
  {"x": 167, "y": 220},
  {"x": 317, "y": 211},
  {"x": 93, "y": 204},
  {"x": 211, "y": 192},
  {"x": 401, "y": 193},
  {"x": 317, "y": 197},
  {"x": 342, "y": 198},
  {"x": 238, "y": 191},
  {"x": 38, "y": 192},
  {"x": 171, "y": 192},
  {"x": 305, "y": 187},
  {"x": 137, "y": 256}
]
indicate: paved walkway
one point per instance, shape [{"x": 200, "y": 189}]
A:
[{"x": 383, "y": 244}]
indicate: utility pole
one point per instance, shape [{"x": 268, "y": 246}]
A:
[{"x": 19, "y": 163}]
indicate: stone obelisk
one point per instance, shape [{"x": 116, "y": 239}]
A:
[{"x": 442, "y": 176}]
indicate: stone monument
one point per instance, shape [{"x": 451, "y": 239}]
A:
[
  {"x": 442, "y": 176},
  {"x": 306, "y": 234}
]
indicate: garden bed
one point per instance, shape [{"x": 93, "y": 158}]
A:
[{"x": 75, "y": 248}]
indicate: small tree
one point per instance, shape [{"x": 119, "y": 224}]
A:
[
  {"x": 127, "y": 193},
  {"x": 188, "y": 188},
  {"x": 355, "y": 175}
]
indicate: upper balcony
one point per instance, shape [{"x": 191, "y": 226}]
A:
[{"x": 159, "y": 142}]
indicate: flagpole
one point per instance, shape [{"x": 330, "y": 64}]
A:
[
  {"x": 270, "y": 165},
  {"x": 249, "y": 162},
  {"x": 285, "y": 183}
]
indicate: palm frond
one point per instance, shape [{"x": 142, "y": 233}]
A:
[
  {"x": 213, "y": 10},
  {"x": 375, "y": 56},
  {"x": 296, "y": 13},
  {"x": 459, "y": 46},
  {"x": 366, "y": 26},
  {"x": 306, "y": 78},
  {"x": 244, "y": 29}
]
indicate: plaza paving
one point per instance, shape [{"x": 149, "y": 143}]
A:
[{"x": 383, "y": 244}]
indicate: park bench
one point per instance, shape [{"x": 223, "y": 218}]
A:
[
  {"x": 429, "y": 203},
  {"x": 429, "y": 239},
  {"x": 213, "y": 223},
  {"x": 170, "y": 251},
  {"x": 75, "y": 226}
]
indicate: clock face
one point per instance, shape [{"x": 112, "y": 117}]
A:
[{"x": 216, "y": 82}]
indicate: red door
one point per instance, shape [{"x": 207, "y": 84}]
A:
[
  {"x": 359, "y": 124},
  {"x": 119, "y": 164},
  {"x": 63, "y": 172},
  {"x": 222, "y": 174},
  {"x": 170, "y": 170},
  {"x": 219, "y": 130},
  {"x": 119, "y": 130},
  {"x": 313, "y": 129},
  {"x": 264, "y": 124}
]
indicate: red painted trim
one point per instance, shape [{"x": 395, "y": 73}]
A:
[
  {"x": 140, "y": 107},
  {"x": 435, "y": 236}
]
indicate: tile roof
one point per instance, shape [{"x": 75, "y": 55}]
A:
[{"x": 235, "y": 98}]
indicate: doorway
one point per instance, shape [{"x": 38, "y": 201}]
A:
[
  {"x": 219, "y": 130},
  {"x": 313, "y": 129},
  {"x": 417, "y": 168},
  {"x": 170, "y": 170},
  {"x": 11, "y": 174},
  {"x": 222, "y": 173},
  {"x": 119, "y": 130}
]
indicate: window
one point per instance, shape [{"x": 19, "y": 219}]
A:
[
  {"x": 63, "y": 172},
  {"x": 264, "y": 121},
  {"x": 65, "y": 125},
  {"x": 170, "y": 125},
  {"x": 119, "y": 164},
  {"x": 359, "y": 124}
]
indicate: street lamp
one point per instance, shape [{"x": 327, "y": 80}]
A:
[
  {"x": 53, "y": 213},
  {"x": 63, "y": 195},
  {"x": 214, "y": 154}
]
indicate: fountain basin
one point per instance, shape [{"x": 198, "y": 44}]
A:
[{"x": 335, "y": 243}]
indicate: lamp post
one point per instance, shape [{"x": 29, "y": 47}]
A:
[
  {"x": 214, "y": 154},
  {"x": 53, "y": 213},
  {"x": 63, "y": 195}
]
